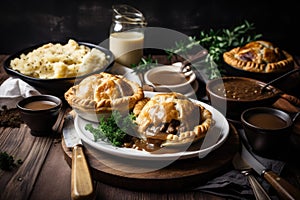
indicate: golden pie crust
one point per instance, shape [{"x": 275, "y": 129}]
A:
[
  {"x": 104, "y": 92},
  {"x": 153, "y": 113},
  {"x": 259, "y": 56}
]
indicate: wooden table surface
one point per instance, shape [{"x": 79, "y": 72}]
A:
[{"x": 45, "y": 173}]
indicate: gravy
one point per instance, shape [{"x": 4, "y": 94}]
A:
[
  {"x": 40, "y": 105},
  {"x": 167, "y": 78},
  {"x": 154, "y": 146},
  {"x": 241, "y": 90},
  {"x": 266, "y": 121}
]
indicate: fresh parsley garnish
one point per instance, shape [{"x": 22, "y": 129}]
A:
[
  {"x": 7, "y": 162},
  {"x": 116, "y": 129},
  {"x": 144, "y": 65}
]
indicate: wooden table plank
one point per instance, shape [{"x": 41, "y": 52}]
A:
[
  {"x": 33, "y": 152},
  {"x": 106, "y": 192},
  {"x": 54, "y": 180}
]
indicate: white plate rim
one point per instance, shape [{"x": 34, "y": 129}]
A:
[{"x": 103, "y": 146}]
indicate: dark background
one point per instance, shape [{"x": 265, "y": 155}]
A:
[{"x": 31, "y": 22}]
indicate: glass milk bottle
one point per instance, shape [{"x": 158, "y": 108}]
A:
[{"x": 126, "y": 40}]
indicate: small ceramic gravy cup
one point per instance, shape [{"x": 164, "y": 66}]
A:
[
  {"x": 40, "y": 113},
  {"x": 267, "y": 129},
  {"x": 169, "y": 78}
]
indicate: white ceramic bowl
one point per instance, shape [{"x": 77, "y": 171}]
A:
[{"x": 168, "y": 78}]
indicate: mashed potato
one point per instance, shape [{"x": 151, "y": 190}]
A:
[{"x": 59, "y": 61}]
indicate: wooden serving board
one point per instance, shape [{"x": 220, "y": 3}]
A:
[{"x": 180, "y": 174}]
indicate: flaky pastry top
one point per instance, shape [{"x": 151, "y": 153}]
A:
[
  {"x": 104, "y": 92},
  {"x": 157, "y": 117},
  {"x": 259, "y": 56}
]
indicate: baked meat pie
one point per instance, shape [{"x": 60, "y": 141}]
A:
[
  {"x": 104, "y": 92},
  {"x": 259, "y": 56},
  {"x": 171, "y": 119}
]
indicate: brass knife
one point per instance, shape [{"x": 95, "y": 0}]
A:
[{"x": 81, "y": 181}]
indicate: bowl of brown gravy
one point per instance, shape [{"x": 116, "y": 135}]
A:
[
  {"x": 267, "y": 129},
  {"x": 40, "y": 113},
  {"x": 232, "y": 95}
]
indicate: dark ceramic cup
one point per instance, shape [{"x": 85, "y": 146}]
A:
[
  {"x": 267, "y": 129},
  {"x": 40, "y": 113}
]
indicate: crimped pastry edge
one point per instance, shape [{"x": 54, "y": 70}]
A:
[
  {"x": 185, "y": 137},
  {"x": 104, "y": 105},
  {"x": 277, "y": 67}
]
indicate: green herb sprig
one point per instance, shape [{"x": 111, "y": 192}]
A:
[
  {"x": 7, "y": 162},
  {"x": 114, "y": 129},
  {"x": 217, "y": 43},
  {"x": 144, "y": 65}
]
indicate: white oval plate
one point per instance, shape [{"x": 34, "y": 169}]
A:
[{"x": 214, "y": 138}]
